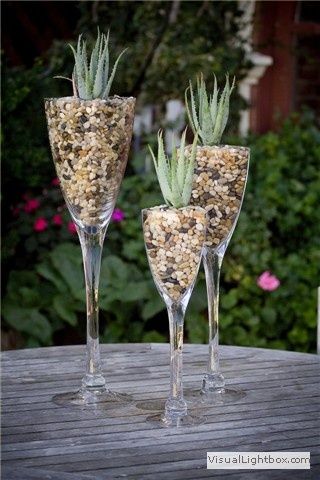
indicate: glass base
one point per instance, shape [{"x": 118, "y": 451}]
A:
[
  {"x": 173, "y": 421},
  {"x": 101, "y": 398},
  {"x": 218, "y": 396}
]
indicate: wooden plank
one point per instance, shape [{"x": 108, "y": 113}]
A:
[
  {"x": 117, "y": 450},
  {"x": 126, "y": 466},
  {"x": 290, "y": 405},
  {"x": 274, "y": 370},
  {"x": 200, "y": 473},
  {"x": 279, "y": 412},
  {"x": 44, "y": 401},
  {"x": 140, "y": 394},
  {"x": 58, "y": 354},
  {"x": 113, "y": 410},
  {"x": 18, "y": 473},
  {"x": 244, "y": 475},
  {"x": 147, "y": 433}
]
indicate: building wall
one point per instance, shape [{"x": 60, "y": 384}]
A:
[{"x": 289, "y": 32}]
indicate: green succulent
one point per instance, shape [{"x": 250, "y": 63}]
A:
[
  {"x": 91, "y": 79},
  {"x": 175, "y": 174},
  {"x": 208, "y": 114}
]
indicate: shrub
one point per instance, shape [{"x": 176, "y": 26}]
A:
[{"x": 278, "y": 231}]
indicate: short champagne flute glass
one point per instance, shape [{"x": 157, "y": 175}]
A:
[
  {"x": 174, "y": 241},
  {"x": 90, "y": 141}
]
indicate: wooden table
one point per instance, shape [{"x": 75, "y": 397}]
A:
[{"x": 43, "y": 441}]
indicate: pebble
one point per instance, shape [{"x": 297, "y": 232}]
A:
[
  {"x": 174, "y": 264},
  {"x": 87, "y": 141},
  {"x": 218, "y": 186}
]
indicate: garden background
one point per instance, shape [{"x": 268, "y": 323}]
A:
[{"x": 279, "y": 226}]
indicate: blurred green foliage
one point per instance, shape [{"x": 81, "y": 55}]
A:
[
  {"x": 155, "y": 68},
  {"x": 278, "y": 229}
]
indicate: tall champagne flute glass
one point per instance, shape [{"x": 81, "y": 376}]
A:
[
  {"x": 90, "y": 141},
  {"x": 174, "y": 239},
  {"x": 219, "y": 185}
]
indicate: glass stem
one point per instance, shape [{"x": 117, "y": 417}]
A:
[
  {"x": 212, "y": 261},
  {"x": 176, "y": 405},
  {"x": 91, "y": 246}
]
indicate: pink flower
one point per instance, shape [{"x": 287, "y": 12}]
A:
[
  {"x": 57, "y": 220},
  {"x": 72, "y": 227},
  {"x": 118, "y": 215},
  {"x": 268, "y": 282},
  {"x": 55, "y": 182},
  {"x": 31, "y": 205},
  {"x": 40, "y": 224}
]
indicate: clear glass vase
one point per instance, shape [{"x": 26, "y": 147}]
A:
[
  {"x": 174, "y": 241},
  {"x": 220, "y": 180},
  {"x": 90, "y": 141}
]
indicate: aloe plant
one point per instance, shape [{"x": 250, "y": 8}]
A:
[
  {"x": 208, "y": 114},
  {"x": 175, "y": 174},
  {"x": 91, "y": 79}
]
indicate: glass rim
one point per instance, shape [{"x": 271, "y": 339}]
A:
[
  {"x": 70, "y": 98},
  {"x": 156, "y": 207}
]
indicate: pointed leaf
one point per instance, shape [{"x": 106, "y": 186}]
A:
[
  {"x": 109, "y": 84},
  {"x": 98, "y": 81},
  {"x": 214, "y": 101},
  {"x": 181, "y": 166},
  {"x": 161, "y": 169},
  {"x": 194, "y": 111},
  {"x": 94, "y": 58},
  {"x": 188, "y": 111},
  {"x": 187, "y": 189},
  {"x": 217, "y": 133},
  {"x": 106, "y": 64}
]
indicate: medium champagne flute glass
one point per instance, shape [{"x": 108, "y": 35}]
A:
[
  {"x": 174, "y": 240},
  {"x": 90, "y": 141},
  {"x": 219, "y": 185}
]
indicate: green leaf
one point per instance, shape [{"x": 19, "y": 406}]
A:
[
  {"x": 230, "y": 299},
  {"x": 192, "y": 113},
  {"x": 65, "y": 309},
  {"x": 109, "y": 84},
  {"x": 28, "y": 320},
  {"x": 188, "y": 181},
  {"x": 29, "y": 297},
  {"x": 152, "y": 307},
  {"x": 181, "y": 164},
  {"x": 136, "y": 291},
  {"x": 67, "y": 261},
  {"x": 214, "y": 102},
  {"x": 47, "y": 271},
  {"x": 94, "y": 58},
  {"x": 98, "y": 81}
]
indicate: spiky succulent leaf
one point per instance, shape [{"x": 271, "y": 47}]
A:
[
  {"x": 188, "y": 179},
  {"x": 214, "y": 100},
  {"x": 107, "y": 89},
  {"x": 98, "y": 81},
  {"x": 221, "y": 110},
  {"x": 181, "y": 166},
  {"x": 227, "y": 105},
  {"x": 192, "y": 112},
  {"x": 208, "y": 115},
  {"x": 94, "y": 57},
  {"x": 205, "y": 118},
  {"x": 91, "y": 79},
  {"x": 161, "y": 166},
  {"x": 175, "y": 174}
]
